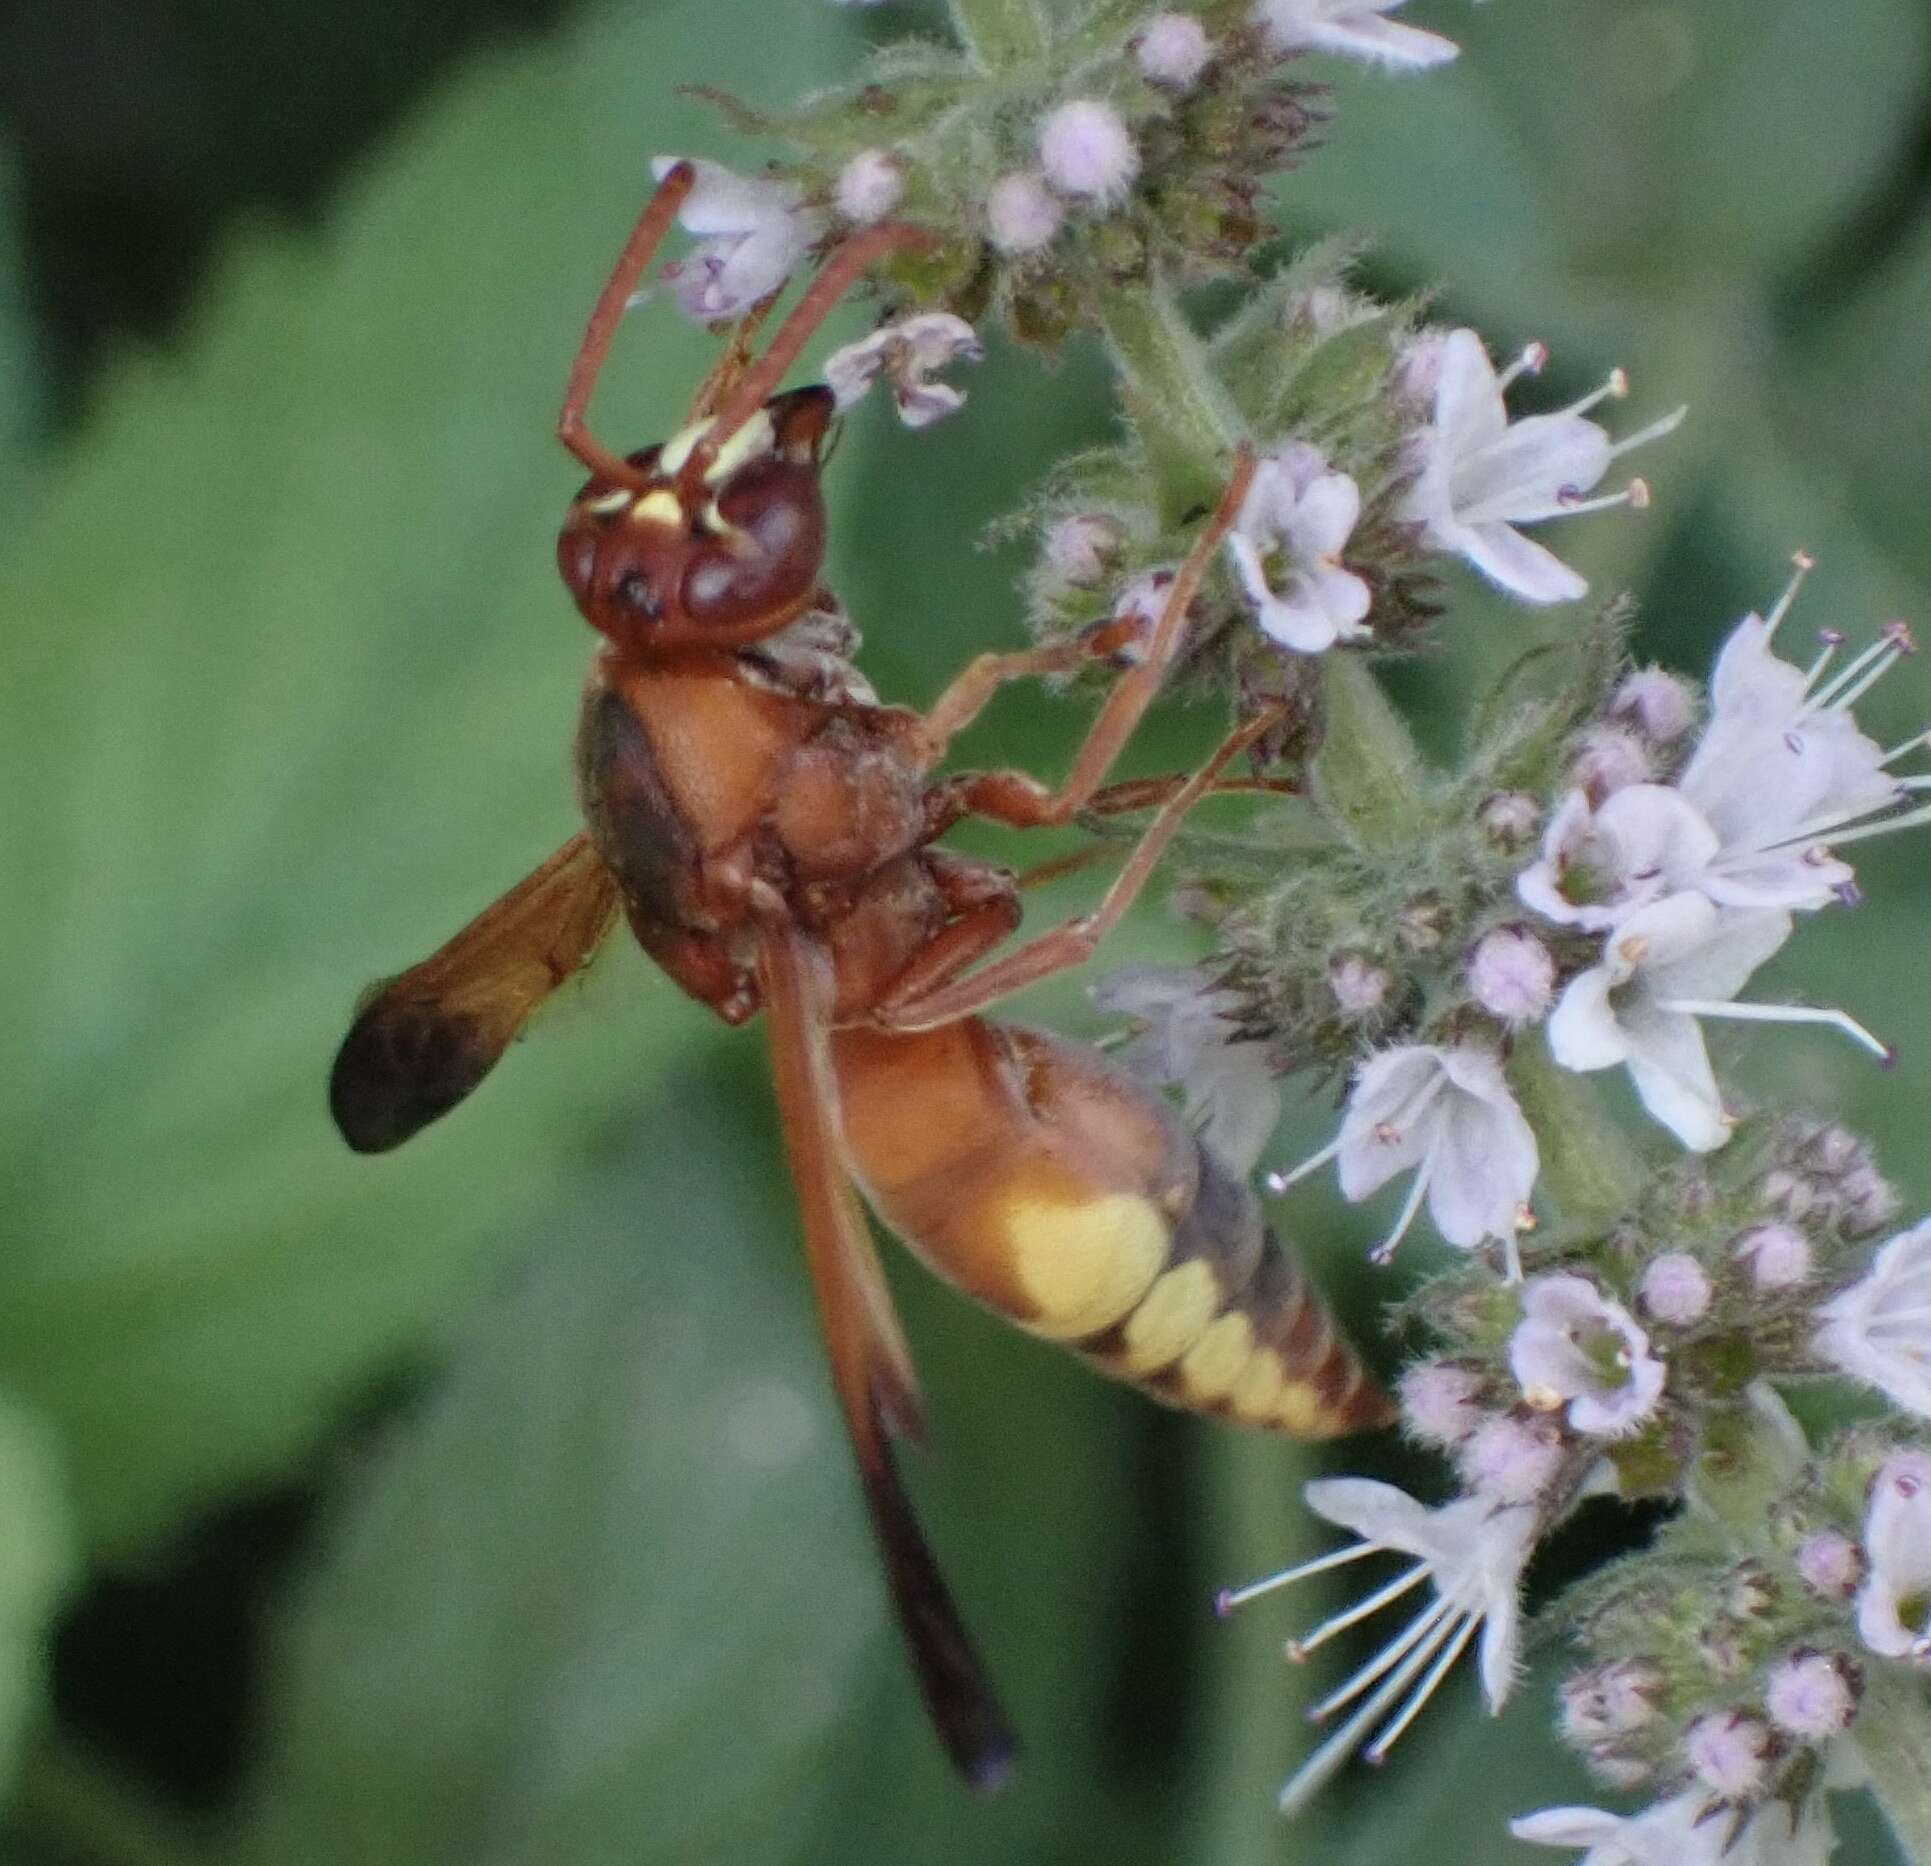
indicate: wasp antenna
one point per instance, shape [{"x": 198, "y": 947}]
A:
[
  {"x": 645, "y": 238},
  {"x": 848, "y": 262}
]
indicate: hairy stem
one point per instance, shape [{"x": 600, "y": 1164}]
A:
[
  {"x": 1368, "y": 773},
  {"x": 1588, "y": 1165},
  {"x": 1892, "y": 1739},
  {"x": 1001, "y": 34}
]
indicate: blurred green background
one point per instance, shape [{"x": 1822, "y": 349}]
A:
[{"x": 486, "y": 1503}]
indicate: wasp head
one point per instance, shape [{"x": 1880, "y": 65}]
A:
[{"x": 721, "y": 544}]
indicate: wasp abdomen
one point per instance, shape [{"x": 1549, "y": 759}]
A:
[{"x": 1070, "y": 1199}]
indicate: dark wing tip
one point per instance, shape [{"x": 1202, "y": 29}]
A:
[{"x": 402, "y": 1066}]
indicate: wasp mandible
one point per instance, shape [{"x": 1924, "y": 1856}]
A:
[{"x": 770, "y": 831}]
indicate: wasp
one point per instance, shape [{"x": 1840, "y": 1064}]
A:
[{"x": 770, "y": 831}]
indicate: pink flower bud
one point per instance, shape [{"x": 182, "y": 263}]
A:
[
  {"x": 869, "y": 186},
  {"x": 1830, "y": 1564},
  {"x": 1441, "y": 1402},
  {"x": 1511, "y": 1458},
  {"x": 1610, "y": 760},
  {"x": 1730, "y": 1754},
  {"x": 1812, "y": 1694},
  {"x": 1659, "y": 706},
  {"x": 1675, "y": 1289},
  {"x": 1773, "y": 1256},
  {"x": 1510, "y": 818},
  {"x": 1021, "y": 215},
  {"x": 1079, "y": 550},
  {"x": 1172, "y": 49},
  {"x": 1511, "y": 976},
  {"x": 1359, "y": 986},
  {"x": 1087, "y": 153}
]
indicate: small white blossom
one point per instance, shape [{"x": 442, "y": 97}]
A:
[
  {"x": 1511, "y": 976},
  {"x": 1352, "y": 29},
  {"x": 1481, "y": 475},
  {"x": 1086, "y": 151},
  {"x": 1658, "y": 704},
  {"x": 1668, "y": 964},
  {"x": 1441, "y": 1402},
  {"x": 1446, "y": 1115},
  {"x": 1812, "y": 1695},
  {"x": 1021, "y": 213},
  {"x": 1574, "y": 1346},
  {"x": 1675, "y": 1289},
  {"x": 1894, "y": 1604},
  {"x": 751, "y": 236},
  {"x": 1472, "y": 1552},
  {"x": 1783, "y": 773},
  {"x": 1687, "y": 1830},
  {"x": 1879, "y": 1329},
  {"x": 1295, "y": 520},
  {"x": 1599, "y": 862},
  {"x": 869, "y": 186},
  {"x": 1183, "y": 1040},
  {"x": 1172, "y": 49},
  {"x": 906, "y": 354}
]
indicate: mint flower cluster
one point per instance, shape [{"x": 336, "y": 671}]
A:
[{"x": 1464, "y": 956}]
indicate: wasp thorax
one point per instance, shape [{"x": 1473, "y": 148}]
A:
[{"x": 721, "y": 542}]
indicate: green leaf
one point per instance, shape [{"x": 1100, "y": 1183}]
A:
[
  {"x": 36, "y": 1563},
  {"x": 288, "y": 687},
  {"x": 608, "y": 1594}
]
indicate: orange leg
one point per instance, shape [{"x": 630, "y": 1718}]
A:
[
  {"x": 1012, "y": 796},
  {"x": 645, "y": 238},
  {"x": 1073, "y": 942}
]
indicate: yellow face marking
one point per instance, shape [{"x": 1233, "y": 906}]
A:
[
  {"x": 1171, "y": 1319},
  {"x": 1210, "y": 1367},
  {"x": 718, "y": 525},
  {"x": 755, "y": 437},
  {"x": 675, "y": 451},
  {"x": 1083, "y": 1264},
  {"x": 1257, "y": 1392},
  {"x": 604, "y": 503},
  {"x": 658, "y": 508},
  {"x": 1302, "y": 1413}
]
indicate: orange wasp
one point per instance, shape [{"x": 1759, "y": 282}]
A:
[{"x": 769, "y": 829}]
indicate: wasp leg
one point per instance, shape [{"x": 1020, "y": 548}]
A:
[
  {"x": 1012, "y": 796},
  {"x": 1074, "y": 941},
  {"x": 985, "y": 903}
]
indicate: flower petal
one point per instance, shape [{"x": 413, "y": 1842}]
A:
[
  {"x": 1520, "y": 565},
  {"x": 1670, "y": 1068}
]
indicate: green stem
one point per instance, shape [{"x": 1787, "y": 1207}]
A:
[
  {"x": 1179, "y": 411},
  {"x": 1368, "y": 772},
  {"x": 1001, "y": 34},
  {"x": 1588, "y": 1165}
]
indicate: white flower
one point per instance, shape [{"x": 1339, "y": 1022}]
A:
[
  {"x": 1894, "y": 1604},
  {"x": 1687, "y": 1830},
  {"x": 1446, "y": 1115},
  {"x": 1482, "y": 475},
  {"x": 1021, "y": 213},
  {"x": 1471, "y": 1552},
  {"x": 751, "y": 236},
  {"x": 1782, "y": 771},
  {"x": 1352, "y": 29},
  {"x": 1578, "y": 1347},
  {"x": 1184, "y": 1040},
  {"x": 1172, "y": 49},
  {"x": 1879, "y": 1329},
  {"x": 1299, "y": 514},
  {"x": 1087, "y": 152},
  {"x": 1675, "y": 1289},
  {"x": 869, "y": 186},
  {"x": 907, "y": 353},
  {"x": 1665, "y": 966},
  {"x": 1599, "y": 863}
]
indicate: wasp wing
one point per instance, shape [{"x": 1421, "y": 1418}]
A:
[
  {"x": 871, "y": 1366},
  {"x": 421, "y": 1042}
]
